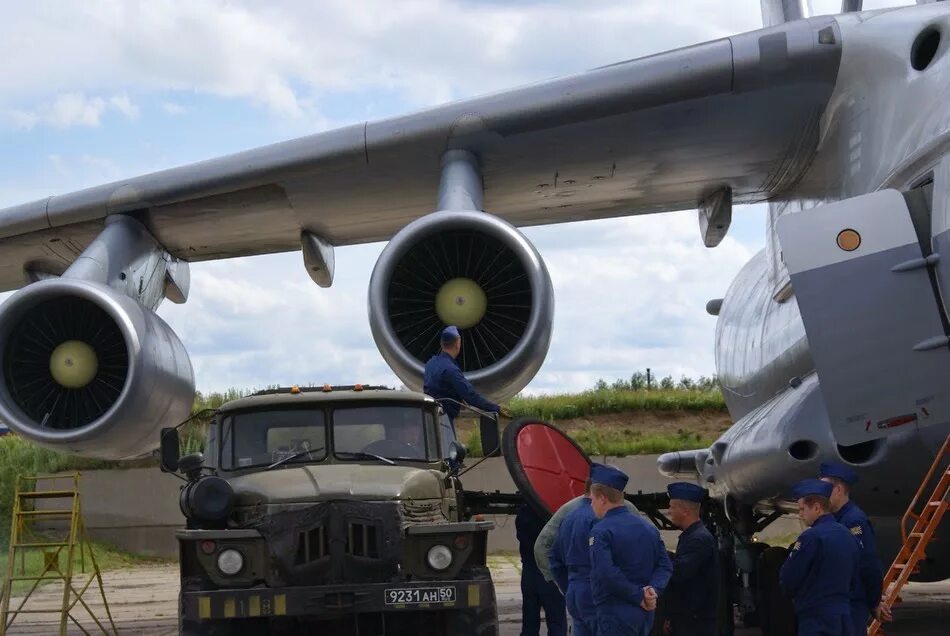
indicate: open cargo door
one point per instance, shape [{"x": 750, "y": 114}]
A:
[
  {"x": 547, "y": 466},
  {"x": 871, "y": 313}
]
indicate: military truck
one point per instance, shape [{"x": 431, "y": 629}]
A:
[{"x": 338, "y": 508}]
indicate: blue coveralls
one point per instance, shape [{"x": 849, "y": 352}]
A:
[
  {"x": 569, "y": 560},
  {"x": 693, "y": 594},
  {"x": 443, "y": 379},
  {"x": 818, "y": 575},
  {"x": 626, "y": 555},
  {"x": 866, "y": 592},
  {"x": 535, "y": 591}
]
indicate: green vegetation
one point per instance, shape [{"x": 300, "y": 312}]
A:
[
  {"x": 615, "y": 442},
  {"x": 19, "y": 457},
  {"x": 616, "y": 400}
]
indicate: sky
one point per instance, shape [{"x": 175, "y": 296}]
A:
[{"x": 103, "y": 90}]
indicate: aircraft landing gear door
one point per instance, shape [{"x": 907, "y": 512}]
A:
[
  {"x": 871, "y": 315},
  {"x": 548, "y": 467}
]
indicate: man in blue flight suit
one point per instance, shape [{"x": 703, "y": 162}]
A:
[
  {"x": 821, "y": 566},
  {"x": 629, "y": 566},
  {"x": 535, "y": 591},
  {"x": 569, "y": 561},
  {"x": 866, "y": 593},
  {"x": 692, "y": 596},
  {"x": 443, "y": 379}
]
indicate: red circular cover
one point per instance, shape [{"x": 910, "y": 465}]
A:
[{"x": 548, "y": 467}]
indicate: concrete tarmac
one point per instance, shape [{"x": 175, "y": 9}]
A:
[{"x": 144, "y": 601}]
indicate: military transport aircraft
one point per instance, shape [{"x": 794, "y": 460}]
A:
[{"x": 831, "y": 343}]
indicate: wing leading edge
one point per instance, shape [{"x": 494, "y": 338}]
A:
[{"x": 641, "y": 136}]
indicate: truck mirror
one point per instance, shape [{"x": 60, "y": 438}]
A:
[
  {"x": 491, "y": 440},
  {"x": 169, "y": 446}
]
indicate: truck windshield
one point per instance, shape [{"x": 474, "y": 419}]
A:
[
  {"x": 395, "y": 432},
  {"x": 262, "y": 438}
]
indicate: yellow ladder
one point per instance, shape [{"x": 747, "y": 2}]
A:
[
  {"x": 40, "y": 515},
  {"x": 926, "y": 522}
]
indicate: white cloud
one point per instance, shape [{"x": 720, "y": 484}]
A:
[
  {"x": 283, "y": 55},
  {"x": 71, "y": 109},
  {"x": 173, "y": 108}
]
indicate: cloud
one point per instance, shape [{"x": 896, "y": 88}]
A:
[
  {"x": 71, "y": 109},
  {"x": 173, "y": 108},
  {"x": 287, "y": 56}
]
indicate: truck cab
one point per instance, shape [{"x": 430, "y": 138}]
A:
[{"x": 336, "y": 506}]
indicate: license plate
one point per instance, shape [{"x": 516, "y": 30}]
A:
[{"x": 417, "y": 595}]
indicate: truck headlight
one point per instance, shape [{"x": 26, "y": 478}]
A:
[
  {"x": 230, "y": 562},
  {"x": 439, "y": 557}
]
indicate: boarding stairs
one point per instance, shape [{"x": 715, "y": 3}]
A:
[{"x": 925, "y": 519}]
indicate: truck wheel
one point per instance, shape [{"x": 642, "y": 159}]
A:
[
  {"x": 482, "y": 621},
  {"x": 478, "y": 621}
]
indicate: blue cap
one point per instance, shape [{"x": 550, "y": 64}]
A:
[
  {"x": 808, "y": 487},
  {"x": 450, "y": 334},
  {"x": 608, "y": 476},
  {"x": 839, "y": 471},
  {"x": 686, "y": 491}
]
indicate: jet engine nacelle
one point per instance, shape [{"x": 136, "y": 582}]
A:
[
  {"x": 87, "y": 370},
  {"x": 472, "y": 270}
]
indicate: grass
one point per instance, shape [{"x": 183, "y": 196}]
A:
[
  {"x": 615, "y": 442},
  {"x": 610, "y": 400}
]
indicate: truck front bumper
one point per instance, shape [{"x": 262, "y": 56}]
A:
[{"x": 336, "y": 600}]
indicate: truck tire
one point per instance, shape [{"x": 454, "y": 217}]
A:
[
  {"x": 482, "y": 621},
  {"x": 478, "y": 621}
]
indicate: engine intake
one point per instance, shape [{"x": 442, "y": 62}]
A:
[
  {"x": 87, "y": 370},
  {"x": 475, "y": 271}
]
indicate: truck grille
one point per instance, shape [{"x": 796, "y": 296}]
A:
[
  {"x": 361, "y": 540},
  {"x": 312, "y": 545},
  {"x": 334, "y": 542}
]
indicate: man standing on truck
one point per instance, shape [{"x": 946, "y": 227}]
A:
[{"x": 444, "y": 381}]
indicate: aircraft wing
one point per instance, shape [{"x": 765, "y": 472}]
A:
[{"x": 646, "y": 135}]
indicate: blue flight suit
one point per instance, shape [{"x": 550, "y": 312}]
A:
[
  {"x": 535, "y": 591},
  {"x": 626, "y": 555},
  {"x": 866, "y": 592},
  {"x": 818, "y": 575},
  {"x": 443, "y": 379},
  {"x": 569, "y": 560},
  {"x": 693, "y": 594}
]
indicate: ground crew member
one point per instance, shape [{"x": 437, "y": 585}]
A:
[
  {"x": 542, "y": 547},
  {"x": 866, "y": 594},
  {"x": 535, "y": 591},
  {"x": 693, "y": 593},
  {"x": 629, "y": 566},
  {"x": 570, "y": 561},
  {"x": 821, "y": 566},
  {"x": 443, "y": 379}
]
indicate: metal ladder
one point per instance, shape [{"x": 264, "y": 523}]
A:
[
  {"x": 925, "y": 524},
  {"x": 39, "y": 517}
]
